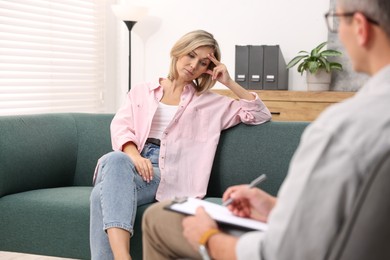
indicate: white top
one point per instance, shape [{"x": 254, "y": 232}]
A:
[
  {"x": 336, "y": 151},
  {"x": 161, "y": 119}
]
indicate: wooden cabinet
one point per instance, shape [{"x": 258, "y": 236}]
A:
[{"x": 295, "y": 105}]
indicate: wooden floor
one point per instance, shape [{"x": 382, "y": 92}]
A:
[{"x": 20, "y": 256}]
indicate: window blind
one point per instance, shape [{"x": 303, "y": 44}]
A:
[{"x": 51, "y": 56}]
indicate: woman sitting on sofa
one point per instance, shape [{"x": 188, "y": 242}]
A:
[{"x": 164, "y": 140}]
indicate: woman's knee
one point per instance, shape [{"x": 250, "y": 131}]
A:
[
  {"x": 112, "y": 164},
  {"x": 115, "y": 157}
]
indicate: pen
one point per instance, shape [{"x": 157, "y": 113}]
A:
[{"x": 255, "y": 182}]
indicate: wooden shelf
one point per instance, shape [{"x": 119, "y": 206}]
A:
[{"x": 295, "y": 105}]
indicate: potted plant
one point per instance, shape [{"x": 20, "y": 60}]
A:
[{"x": 317, "y": 66}]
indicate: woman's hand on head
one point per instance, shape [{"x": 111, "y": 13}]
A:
[{"x": 220, "y": 72}]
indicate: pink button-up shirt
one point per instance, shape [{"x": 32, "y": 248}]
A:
[{"x": 190, "y": 140}]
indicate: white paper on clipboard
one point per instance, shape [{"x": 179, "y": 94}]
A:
[{"x": 217, "y": 212}]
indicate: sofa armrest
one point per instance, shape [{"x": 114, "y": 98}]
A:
[{"x": 36, "y": 151}]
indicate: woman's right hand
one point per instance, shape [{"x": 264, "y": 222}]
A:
[
  {"x": 142, "y": 165},
  {"x": 249, "y": 202}
]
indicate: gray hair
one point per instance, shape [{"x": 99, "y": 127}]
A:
[{"x": 378, "y": 10}]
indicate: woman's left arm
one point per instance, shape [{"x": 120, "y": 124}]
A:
[
  {"x": 221, "y": 74},
  {"x": 250, "y": 108}
]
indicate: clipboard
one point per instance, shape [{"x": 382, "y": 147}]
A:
[{"x": 218, "y": 212}]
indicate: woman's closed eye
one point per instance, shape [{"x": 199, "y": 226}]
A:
[
  {"x": 204, "y": 63},
  {"x": 191, "y": 55}
]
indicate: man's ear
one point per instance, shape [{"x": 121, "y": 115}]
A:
[{"x": 362, "y": 28}]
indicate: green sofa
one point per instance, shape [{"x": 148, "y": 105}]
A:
[{"x": 47, "y": 162}]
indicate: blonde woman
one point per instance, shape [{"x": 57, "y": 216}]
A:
[{"x": 164, "y": 140}]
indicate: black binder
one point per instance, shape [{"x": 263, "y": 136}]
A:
[
  {"x": 256, "y": 57},
  {"x": 261, "y": 67},
  {"x": 275, "y": 72},
  {"x": 242, "y": 65}
]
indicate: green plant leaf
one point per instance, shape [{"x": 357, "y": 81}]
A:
[
  {"x": 319, "y": 47},
  {"x": 313, "y": 66},
  {"x": 295, "y": 60},
  {"x": 324, "y": 63},
  {"x": 315, "y": 60},
  {"x": 302, "y": 67},
  {"x": 330, "y": 53},
  {"x": 314, "y": 53},
  {"x": 336, "y": 66},
  {"x": 327, "y": 67}
]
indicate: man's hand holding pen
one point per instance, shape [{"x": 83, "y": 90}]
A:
[{"x": 248, "y": 201}]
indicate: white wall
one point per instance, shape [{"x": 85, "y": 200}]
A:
[{"x": 294, "y": 25}]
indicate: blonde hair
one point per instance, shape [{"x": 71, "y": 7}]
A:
[{"x": 188, "y": 43}]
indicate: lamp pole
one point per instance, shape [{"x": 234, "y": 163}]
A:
[
  {"x": 129, "y": 14},
  {"x": 129, "y": 25}
]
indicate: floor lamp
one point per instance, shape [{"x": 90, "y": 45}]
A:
[{"x": 129, "y": 14}]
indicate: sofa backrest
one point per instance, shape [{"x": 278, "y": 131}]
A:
[
  {"x": 244, "y": 152},
  {"x": 56, "y": 150},
  {"x": 50, "y": 150}
]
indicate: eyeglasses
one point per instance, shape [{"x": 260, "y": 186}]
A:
[{"x": 333, "y": 20}]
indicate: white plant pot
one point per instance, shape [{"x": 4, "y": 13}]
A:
[{"x": 319, "y": 81}]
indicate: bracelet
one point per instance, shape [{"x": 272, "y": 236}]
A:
[{"x": 206, "y": 235}]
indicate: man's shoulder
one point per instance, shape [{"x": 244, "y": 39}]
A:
[{"x": 357, "y": 116}]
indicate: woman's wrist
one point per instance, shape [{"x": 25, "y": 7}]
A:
[
  {"x": 237, "y": 89},
  {"x": 230, "y": 83},
  {"x": 130, "y": 149}
]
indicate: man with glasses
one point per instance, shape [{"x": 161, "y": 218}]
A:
[
  {"x": 333, "y": 19},
  {"x": 336, "y": 152}
]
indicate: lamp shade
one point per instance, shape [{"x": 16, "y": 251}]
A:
[{"x": 129, "y": 12}]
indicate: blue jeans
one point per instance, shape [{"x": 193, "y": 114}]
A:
[{"x": 118, "y": 190}]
